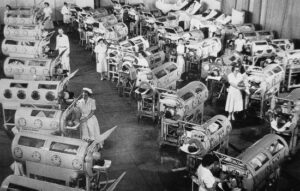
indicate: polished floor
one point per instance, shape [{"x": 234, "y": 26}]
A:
[{"x": 133, "y": 147}]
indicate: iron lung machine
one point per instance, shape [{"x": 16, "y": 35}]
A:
[
  {"x": 26, "y": 48},
  {"x": 57, "y": 159},
  {"x": 28, "y": 32},
  {"x": 17, "y": 183},
  {"x": 283, "y": 115},
  {"x": 207, "y": 137},
  {"x": 186, "y": 104},
  {"x": 183, "y": 104},
  {"x": 263, "y": 83},
  {"x": 47, "y": 95},
  {"x": 32, "y": 68},
  {"x": 31, "y": 92},
  {"x": 257, "y": 166},
  {"x": 19, "y": 19},
  {"x": 163, "y": 76},
  {"x": 44, "y": 121}
]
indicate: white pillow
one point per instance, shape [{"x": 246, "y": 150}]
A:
[{"x": 238, "y": 17}]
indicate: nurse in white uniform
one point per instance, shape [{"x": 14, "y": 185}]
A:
[
  {"x": 180, "y": 52},
  {"x": 240, "y": 43},
  {"x": 48, "y": 23},
  {"x": 63, "y": 44},
  {"x": 89, "y": 123},
  {"x": 65, "y": 11},
  {"x": 100, "y": 50},
  {"x": 234, "y": 102}
]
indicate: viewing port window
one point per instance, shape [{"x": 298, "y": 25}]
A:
[
  {"x": 187, "y": 96},
  {"x": 31, "y": 142},
  {"x": 258, "y": 161},
  {"x": 16, "y": 187},
  {"x": 64, "y": 148},
  {"x": 275, "y": 147}
]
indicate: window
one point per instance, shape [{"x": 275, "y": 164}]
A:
[
  {"x": 187, "y": 96},
  {"x": 16, "y": 187},
  {"x": 31, "y": 142},
  {"x": 18, "y": 85},
  {"x": 250, "y": 34},
  {"x": 25, "y": 16},
  {"x": 265, "y": 33},
  {"x": 40, "y": 113},
  {"x": 277, "y": 69},
  {"x": 138, "y": 41},
  {"x": 261, "y": 43},
  {"x": 47, "y": 86},
  {"x": 64, "y": 148},
  {"x": 199, "y": 90},
  {"x": 275, "y": 147},
  {"x": 162, "y": 20},
  {"x": 11, "y": 42},
  {"x": 171, "y": 68},
  {"x": 15, "y": 61},
  {"x": 29, "y": 27},
  {"x": 37, "y": 63},
  {"x": 172, "y": 18},
  {"x": 13, "y": 27},
  {"x": 258, "y": 161},
  {"x": 160, "y": 74},
  {"x": 168, "y": 30},
  {"x": 27, "y": 43}
]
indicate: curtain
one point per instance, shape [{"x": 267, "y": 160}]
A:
[
  {"x": 242, "y": 5},
  {"x": 227, "y": 6},
  {"x": 256, "y": 12},
  {"x": 275, "y": 15},
  {"x": 291, "y": 24}
]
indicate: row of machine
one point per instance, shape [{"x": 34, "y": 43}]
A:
[
  {"x": 39, "y": 112},
  {"x": 172, "y": 99},
  {"x": 145, "y": 66}
]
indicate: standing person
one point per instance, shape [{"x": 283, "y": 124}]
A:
[
  {"x": 65, "y": 11},
  {"x": 240, "y": 43},
  {"x": 89, "y": 123},
  {"x": 100, "y": 50},
  {"x": 180, "y": 52},
  {"x": 47, "y": 21},
  {"x": 234, "y": 102},
  {"x": 206, "y": 180},
  {"x": 63, "y": 44}
]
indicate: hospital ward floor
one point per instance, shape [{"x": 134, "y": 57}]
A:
[{"x": 133, "y": 147}]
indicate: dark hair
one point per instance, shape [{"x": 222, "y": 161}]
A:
[
  {"x": 65, "y": 3},
  {"x": 241, "y": 34},
  {"x": 208, "y": 160},
  {"x": 101, "y": 39},
  {"x": 46, "y": 3},
  {"x": 180, "y": 39},
  {"x": 8, "y": 6}
]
